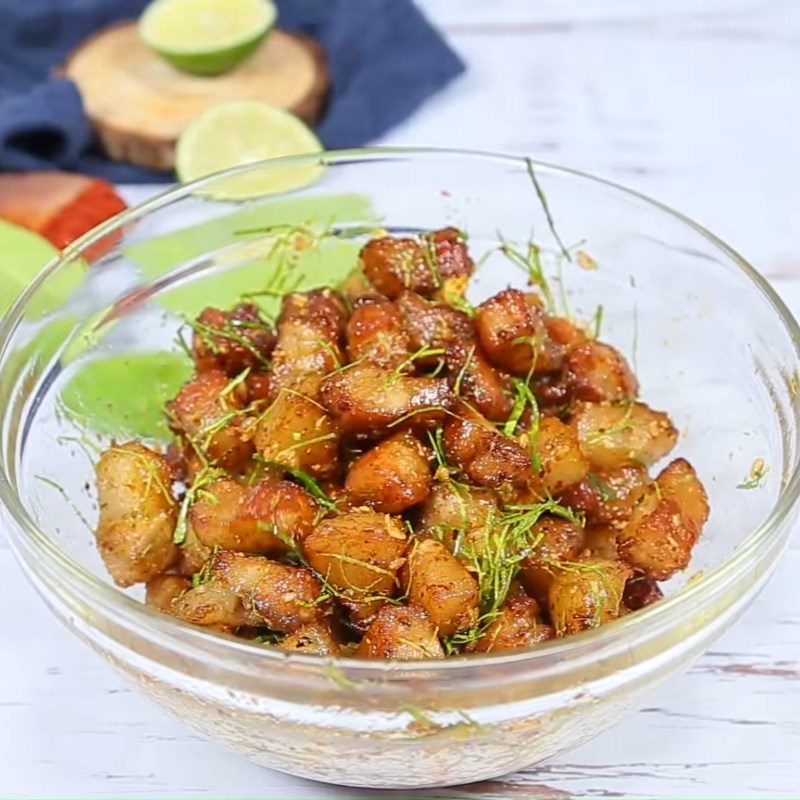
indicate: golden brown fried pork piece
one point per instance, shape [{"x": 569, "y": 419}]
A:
[
  {"x": 314, "y": 639},
  {"x": 666, "y": 523},
  {"x": 245, "y": 589},
  {"x": 359, "y": 554},
  {"x": 586, "y": 594},
  {"x": 613, "y": 433},
  {"x": 519, "y": 624},
  {"x": 232, "y": 341},
  {"x": 640, "y": 592},
  {"x": 434, "y": 262},
  {"x": 561, "y": 461},
  {"x": 295, "y": 431},
  {"x": 511, "y": 330},
  {"x": 601, "y": 541},
  {"x": 437, "y": 581},
  {"x": 458, "y": 516},
  {"x": 375, "y": 333},
  {"x": 204, "y": 412},
  {"x": 562, "y": 334},
  {"x": 477, "y": 382},
  {"x": 366, "y": 399},
  {"x": 482, "y": 453},
  {"x": 213, "y": 605},
  {"x": 164, "y": 589},
  {"x": 137, "y": 513},
  {"x": 272, "y": 516},
  {"x": 608, "y": 496},
  {"x": 431, "y": 325},
  {"x": 391, "y": 477},
  {"x": 551, "y": 394},
  {"x": 554, "y": 541},
  {"x": 595, "y": 372},
  {"x": 401, "y": 633},
  {"x": 310, "y": 330}
]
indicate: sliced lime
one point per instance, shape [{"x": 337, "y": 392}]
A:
[
  {"x": 124, "y": 395},
  {"x": 207, "y": 37},
  {"x": 22, "y": 256},
  {"x": 242, "y": 132}
]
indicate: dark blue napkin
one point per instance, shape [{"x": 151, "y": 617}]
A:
[{"x": 383, "y": 55}]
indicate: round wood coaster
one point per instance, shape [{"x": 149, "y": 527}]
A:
[{"x": 140, "y": 104}]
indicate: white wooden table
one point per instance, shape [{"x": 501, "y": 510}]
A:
[{"x": 696, "y": 105}]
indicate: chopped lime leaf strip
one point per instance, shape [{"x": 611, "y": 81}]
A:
[
  {"x": 419, "y": 715},
  {"x": 597, "y": 322},
  {"x": 60, "y": 489},
  {"x": 525, "y": 398},
  {"x": 756, "y": 476},
  {"x": 606, "y": 493},
  {"x": 335, "y": 675},
  {"x": 546, "y": 208},
  {"x": 530, "y": 262},
  {"x": 509, "y": 541},
  {"x": 206, "y": 476},
  {"x": 311, "y": 485}
]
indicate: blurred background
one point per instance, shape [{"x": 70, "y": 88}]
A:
[{"x": 691, "y": 101}]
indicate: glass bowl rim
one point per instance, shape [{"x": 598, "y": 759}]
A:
[{"x": 690, "y": 595}]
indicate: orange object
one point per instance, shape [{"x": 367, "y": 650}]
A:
[{"x": 60, "y": 206}]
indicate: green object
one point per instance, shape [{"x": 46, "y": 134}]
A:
[
  {"x": 242, "y": 132},
  {"x": 206, "y": 37},
  {"x": 325, "y": 264},
  {"x": 22, "y": 256},
  {"x": 125, "y": 395}
]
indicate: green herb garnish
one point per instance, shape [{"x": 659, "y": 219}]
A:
[
  {"x": 525, "y": 398},
  {"x": 755, "y": 478},
  {"x": 311, "y": 485},
  {"x": 60, "y": 489},
  {"x": 623, "y": 425},
  {"x": 606, "y": 493},
  {"x": 417, "y": 713},
  {"x": 335, "y": 675},
  {"x": 270, "y": 637},
  {"x": 206, "y": 476},
  {"x": 423, "y": 352},
  {"x": 210, "y": 335},
  {"x": 460, "y": 303},
  {"x": 546, "y": 208},
  {"x": 530, "y": 262},
  {"x": 597, "y": 322},
  {"x": 506, "y": 543},
  {"x": 431, "y": 258}
]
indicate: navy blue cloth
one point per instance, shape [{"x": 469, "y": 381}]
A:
[{"x": 383, "y": 55}]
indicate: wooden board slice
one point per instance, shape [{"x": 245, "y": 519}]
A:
[{"x": 140, "y": 104}]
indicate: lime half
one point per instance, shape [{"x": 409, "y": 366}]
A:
[
  {"x": 242, "y": 132},
  {"x": 207, "y": 37}
]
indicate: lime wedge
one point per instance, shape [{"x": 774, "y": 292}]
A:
[
  {"x": 242, "y": 132},
  {"x": 207, "y": 37}
]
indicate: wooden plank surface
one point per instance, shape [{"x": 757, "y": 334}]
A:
[{"x": 696, "y": 106}]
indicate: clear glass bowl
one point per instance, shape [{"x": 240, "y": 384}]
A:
[{"x": 712, "y": 344}]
